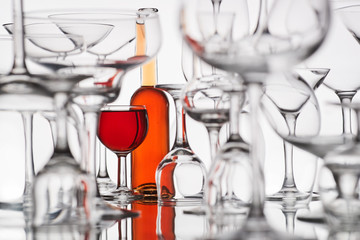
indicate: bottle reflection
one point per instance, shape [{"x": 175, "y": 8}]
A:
[
  {"x": 144, "y": 226},
  {"x": 166, "y": 223}
]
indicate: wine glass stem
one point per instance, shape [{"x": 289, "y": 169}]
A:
[
  {"x": 180, "y": 138},
  {"x": 103, "y": 172},
  {"x": 27, "y": 118},
  {"x": 213, "y": 138},
  {"x": 289, "y": 181},
  {"x": 60, "y": 100},
  {"x": 236, "y": 102},
  {"x": 89, "y": 156},
  {"x": 346, "y": 98},
  {"x": 257, "y": 207},
  {"x": 18, "y": 38},
  {"x": 290, "y": 222},
  {"x": 122, "y": 171}
]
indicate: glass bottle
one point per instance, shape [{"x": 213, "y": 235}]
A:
[{"x": 148, "y": 155}]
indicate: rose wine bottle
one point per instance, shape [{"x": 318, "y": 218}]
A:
[{"x": 148, "y": 155}]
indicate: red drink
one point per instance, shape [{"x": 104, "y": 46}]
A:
[{"x": 122, "y": 130}]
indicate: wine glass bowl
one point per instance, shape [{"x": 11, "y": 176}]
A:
[
  {"x": 110, "y": 46},
  {"x": 122, "y": 129}
]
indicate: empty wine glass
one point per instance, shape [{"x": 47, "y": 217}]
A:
[
  {"x": 290, "y": 95},
  {"x": 285, "y": 34},
  {"x": 180, "y": 176},
  {"x": 122, "y": 129},
  {"x": 346, "y": 87},
  {"x": 339, "y": 184}
]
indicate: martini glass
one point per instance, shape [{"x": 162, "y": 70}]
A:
[
  {"x": 290, "y": 96},
  {"x": 282, "y": 38},
  {"x": 180, "y": 176}
]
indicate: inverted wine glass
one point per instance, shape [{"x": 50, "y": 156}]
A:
[
  {"x": 180, "y": 176},
  {"x": 122, "y": 129},
  {"x": 285, "y": 33}
]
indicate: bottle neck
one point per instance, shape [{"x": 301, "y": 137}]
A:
[{"x": 149, "y": 73}]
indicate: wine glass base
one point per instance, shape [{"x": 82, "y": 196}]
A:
[
  {"x": 290, "y": 197},
  {"x": 121, "y": 196},
  {"x": 105, "y": 185}
]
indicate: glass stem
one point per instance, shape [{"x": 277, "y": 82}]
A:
[
  {"x": 236, "y": 102},
  {"x": 180, "y": 138},
  {"x": 27, "y": 118},
  {"x": 213, "y": 138},
  {"x": 289, "y": 181},
  {"x": 103, "y": 172},
  {"x": 18, "y": 38},
  {"x": 61, "y": 100},
  {"x": 89, "y": 156},
  {"x": 346, "y": 98},
  {"x": 257, "y": 207},
  {"x": 290, "y": 221},
  {"x": 122, "y": 171}
]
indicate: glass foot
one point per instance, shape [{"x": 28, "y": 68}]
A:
[
  {"x": 105, "y": 185},
  {"x": 289, "y": 196},
  {"x": 121, "y": 196}
]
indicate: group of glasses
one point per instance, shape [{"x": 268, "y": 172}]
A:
[{"x": 241, "y": 60}]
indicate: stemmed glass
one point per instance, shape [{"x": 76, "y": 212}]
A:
[
  {"x": 282, "y": 38},
  {"x": 91, "y": 94},
  {"x": 180, "y": 176},
  {"x": 122, "y": 129},
  {"x": 346, "y": 87},
  {"x": 290, "y": 96},
  {"x": 105, "y": 183}
]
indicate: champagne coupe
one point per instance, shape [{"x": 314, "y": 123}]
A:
[
  {"x": 180, "y": 176},
  {"x": 122, "y": 129},
  {"x": 339, "y": 184},
  {"x": 228, "y": 201},
  {"x": 290, "y": 96},
  {"x": 91, "y": 94},
  {"x": 23, "y": 92},
  {"x": 205, "y": 100},
  {"x": 285, "y": 35}
]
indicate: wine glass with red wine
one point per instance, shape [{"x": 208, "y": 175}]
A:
[{"x": 122, "y": 129}]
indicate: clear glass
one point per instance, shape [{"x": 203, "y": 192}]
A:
[
  {"x": 111, "y": 53},
  {"x": 122, "y": 129},
  {"x": 282, "y": 37},
  {"x": 339, "y": 184},
  {"x": 290, "y": 95},
  {"x": 17, "y": 87},
  {"x": 180, "y": 176},
  {"x": 347, "y": 12},
  {"x": 105, "y": 183}
]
